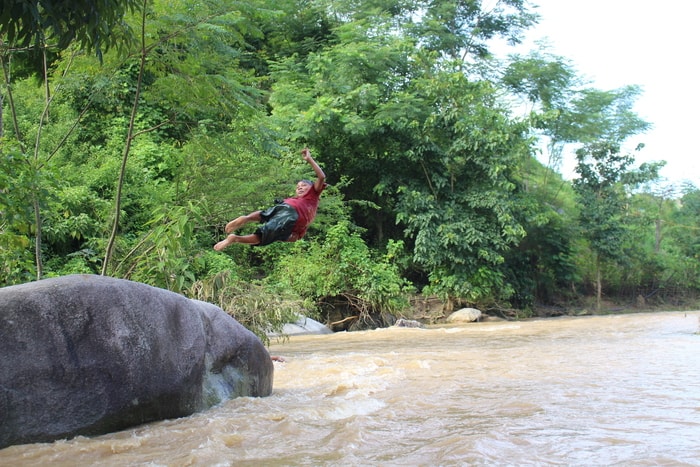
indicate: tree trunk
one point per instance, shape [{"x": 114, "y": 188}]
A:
[
  {"x": 598, "y": 284},
  {"x": 127, "y": 146},
  {"x": 657, "y": 236},
  {"x": 37, "y": 241}
]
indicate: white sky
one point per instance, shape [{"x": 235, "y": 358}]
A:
[{"x": 614, "y": 43}]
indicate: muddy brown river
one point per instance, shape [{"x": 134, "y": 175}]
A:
[{"x": 609, "y": 390}]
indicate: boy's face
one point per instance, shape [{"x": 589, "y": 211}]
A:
[{"x": 302, "y": 189}]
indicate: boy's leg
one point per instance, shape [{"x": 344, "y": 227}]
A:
[
  {"x": 239, "y": 222},
  {"x": 251, "y": 239}
]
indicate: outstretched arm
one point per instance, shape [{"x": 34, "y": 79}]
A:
[{"x": 320, "y": 175}]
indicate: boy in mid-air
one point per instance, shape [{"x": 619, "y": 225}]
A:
[{"x": 284, "y": 222}]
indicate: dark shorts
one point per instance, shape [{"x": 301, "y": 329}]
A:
[{"x": 278, "y": 223}]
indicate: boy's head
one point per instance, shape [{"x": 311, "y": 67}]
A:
[{"x": 303, "y": 187}]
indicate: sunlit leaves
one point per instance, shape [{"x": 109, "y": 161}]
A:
[{"x": 461, "y": 29}]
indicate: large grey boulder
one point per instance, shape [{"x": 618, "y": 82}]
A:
[{"x": 87, "y": 355}]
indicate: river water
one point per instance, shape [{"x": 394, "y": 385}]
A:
[{"x": 608, "y": 390}]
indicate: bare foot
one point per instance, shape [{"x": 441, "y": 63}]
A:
[
  {"x": 235, "y": 224},
  {"x": 224, "y": 243},
  {"x": 276, "y": 358}
]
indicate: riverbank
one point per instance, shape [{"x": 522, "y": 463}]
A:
[{"x": 430, "y": 310}]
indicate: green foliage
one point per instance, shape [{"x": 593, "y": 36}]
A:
[
  {"x": 541, "y": 78},
  {"x": 433, "y": 183},
  {"x": 602, "y": 197},
  {"x": 429, "y": 148},
  {"x": 163, "y": 255},
  {"x": 684, "y": 238},
  {"x": 258, "y": 308},
  {"x": 16, "y": 260},
  {"x": 79, "y": 262},
  {"x": 565, "y": 111},
  {"x": 456, "y": 28},
  {"x": 602, "y": 116},
  {"x": 343, "y": 267},
  {"x": 94, "y": 24},
  {"x": 541, "y": 268},
  {"x": 602, "y": 190},
  {"x": 74, "y": 214},
  {"x": 460, "y": 212},
  {"x": 16, "y": 182}
]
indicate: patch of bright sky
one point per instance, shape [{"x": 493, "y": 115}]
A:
[{"x": 615, "y": 43}]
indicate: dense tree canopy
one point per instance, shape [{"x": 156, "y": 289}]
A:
[{"x": 95, "y": 25}]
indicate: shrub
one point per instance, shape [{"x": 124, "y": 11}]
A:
[{"x": 342, "y": 269}]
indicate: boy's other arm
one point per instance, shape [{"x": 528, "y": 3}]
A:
[{"x": 320, "y": 175}]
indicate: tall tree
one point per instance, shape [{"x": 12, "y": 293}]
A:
[
  {"x": 457, "y": 200},
  {"x": 393, "y": 110},
  {"x": 564, "y": 110},
  {"x": 547, "y": 84},
  {"x": 605, "y": 179}
]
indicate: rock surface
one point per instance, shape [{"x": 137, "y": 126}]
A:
[
  {"x": 408, "y": 323},
  {"x": 465, "y": 315},
  {"x": 88, "y": 355},
  {"x": 305, "y": 326}
]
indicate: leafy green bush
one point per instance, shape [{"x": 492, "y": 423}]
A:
[
  {"x": 342, "y": 268},
  {"x": 16, "y": 255},
  {"x": 256, "y": 307},
  {"x": 16, "y": 259}
]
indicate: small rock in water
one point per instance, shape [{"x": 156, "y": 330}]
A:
[{"x": 408, "y": 323}]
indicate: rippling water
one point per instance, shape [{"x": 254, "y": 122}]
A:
[{"x": 610, "y": 390}]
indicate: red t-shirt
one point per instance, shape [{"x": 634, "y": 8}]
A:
[{"x": 306, "y": 207}]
